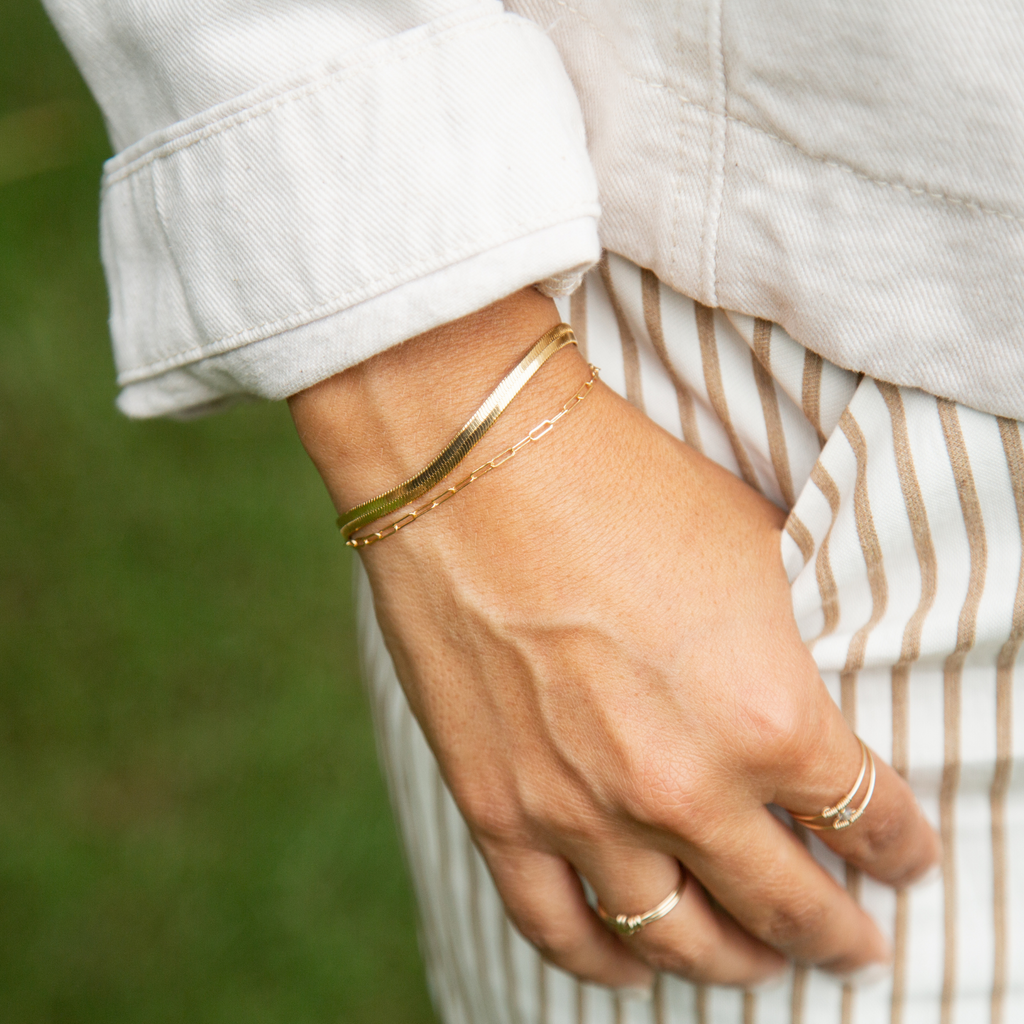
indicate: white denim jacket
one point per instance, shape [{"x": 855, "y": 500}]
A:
[{"x": 302, "y": 183}]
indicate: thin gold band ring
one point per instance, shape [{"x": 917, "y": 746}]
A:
[{"x": 630, "y": 924}]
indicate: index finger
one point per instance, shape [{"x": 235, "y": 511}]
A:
[{"x": 759, "y": 871}]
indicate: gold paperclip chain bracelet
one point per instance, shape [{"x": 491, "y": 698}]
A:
[
  {"x": 539, "y": 431},
  {"x": 460, "y": 445}
]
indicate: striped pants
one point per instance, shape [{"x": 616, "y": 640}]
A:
[{"x": 903, "y": 546}]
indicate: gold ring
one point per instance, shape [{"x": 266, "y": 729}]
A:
[
  {"x": 630, "y": 924},
  {"x": 839, "y": 816}
]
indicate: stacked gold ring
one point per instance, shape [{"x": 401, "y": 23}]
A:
[{"x": 839, "y": 816}]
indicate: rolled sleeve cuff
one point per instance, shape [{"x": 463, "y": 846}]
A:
[{"x": 283, "y": 236}]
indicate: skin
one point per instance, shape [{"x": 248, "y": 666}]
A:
[{"x": 598, "y": 640}]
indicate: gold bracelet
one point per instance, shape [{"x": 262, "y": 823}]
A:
[
  {"x": 462, "y": 443},
  {"x": 499, "y": 460}
]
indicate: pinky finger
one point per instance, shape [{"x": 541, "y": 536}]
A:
[{"x": 545, "y": 900}]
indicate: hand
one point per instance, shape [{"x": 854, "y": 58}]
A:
[{"x": 599, "y": 643}]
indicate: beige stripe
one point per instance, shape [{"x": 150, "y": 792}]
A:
[
  {"x": 630, "y": 354},
  {"x": 761, "y": 362},
  {"x": 947, "y": 830},
  {"x": 581, "y": 1004},
  {"x": 901, "y": 921},
  {"x": 848, "y": 704},
  {"x": 801, "y": 536},
  {"x": 918, "y": 517},
  {"x": 1010, "y": 433},
  {"x": 822, "y": 566},
  {"x": 716, "y": 392},
  {"x": 910, "y": 651},
  {"x": 899, "y": 978},
  {"x": 848, "y": 698},
  {"x": 849, "y": 992},
  {"x": 870, "y": 548},
  {"x": 822, "y": 479},
  {"x": 620, "y": 1014},
  {"x": 762, "y": 343},
  {"x": 810, "y": 397},
  {"x": 900, "y": 721},
  {"x": 872, "y": 554},
  {"x": 578, "y": 316},
  {"x": 847, "y": 1003},
  {"x": 659, "y": 997},
  {"x": 952, "y": 674},
  {"x": 651, "y": 288},
  {"x": 797, "y": 995},
  {"x": 700, "y": 998},
  {"x": 749, "y": 1008}
]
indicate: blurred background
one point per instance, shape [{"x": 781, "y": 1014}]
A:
[{"x": 192, "y": 821}]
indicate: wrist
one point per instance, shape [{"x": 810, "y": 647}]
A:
[{"x": 382, "y": 421}]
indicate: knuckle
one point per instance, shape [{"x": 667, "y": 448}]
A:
[
  {"x": 793, "y": 923},
  {"x": 885, "y": 832},
  {"x": 691, "y": 956},
  {"x": 790, "y": 734},
  {"x": 665, "y": 795},
  {"x": 896, "y": 846},
  {"x": 527, "y": 816},
  {"x": 556, "y": 808},
  {"x": 574, "y": 829},
  {"x": 805, "y": 754},
  {"x": 569, "y": 820},
  {"x": 553, "y": 940},
  {"x": 778, "y": 729},
  {"x": 493, "y": 819}
]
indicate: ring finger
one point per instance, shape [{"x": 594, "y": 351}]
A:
[{"x": 695, "y": 939}]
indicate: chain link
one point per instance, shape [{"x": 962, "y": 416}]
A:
[
  {"x": 464, "y": 441},
  {"x": 542, "y": 429}
]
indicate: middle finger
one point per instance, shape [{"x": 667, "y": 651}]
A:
[{"x": 767, "y": 880}]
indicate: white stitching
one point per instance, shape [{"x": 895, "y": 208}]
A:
[
  {"x": 716, "y": 170},
  {"x": 176, "y": 145},
  {"x": 897, "y": 185},
  {"x": 345, "y": 300},
  {"x": 301, "y": 92}
]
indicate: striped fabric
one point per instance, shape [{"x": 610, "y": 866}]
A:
[{"x": 903, "y": 546}]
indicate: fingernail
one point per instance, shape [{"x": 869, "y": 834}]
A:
[
  {"x": 638, "y": 992},
  {"x": 869, "y": 974},
  {"x": 933, "y": 874}
]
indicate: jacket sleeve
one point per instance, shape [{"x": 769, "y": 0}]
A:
[{"x": 299, "y": 185}]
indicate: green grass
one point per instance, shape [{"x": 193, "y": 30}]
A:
[{"x": 192, "y": 822}]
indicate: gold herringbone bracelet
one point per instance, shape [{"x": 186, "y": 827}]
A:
[{"x": 460, "y": 446}]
